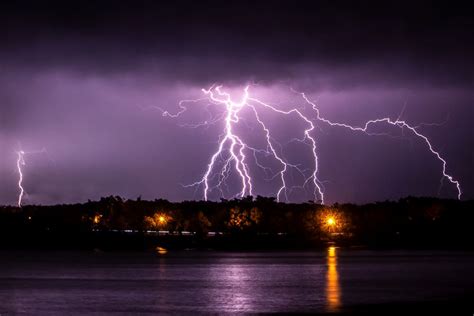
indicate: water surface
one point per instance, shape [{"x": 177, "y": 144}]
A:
[{"x": 179, "y": 282}]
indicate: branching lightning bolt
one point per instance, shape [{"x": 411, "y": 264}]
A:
[
  {"x": 397, "y": 123},
  {"x": 236, "y": 147},
  {"x": 234, "y": 153}
]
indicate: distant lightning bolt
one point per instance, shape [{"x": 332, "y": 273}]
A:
[
  {"x": 19, "y": 163},
  {"x": 233, "y": 153}
]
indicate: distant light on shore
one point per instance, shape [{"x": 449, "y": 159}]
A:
[{"x": 331, "y": 221}]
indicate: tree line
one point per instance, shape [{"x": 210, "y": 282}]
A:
[{"x": 408, "y": 222}]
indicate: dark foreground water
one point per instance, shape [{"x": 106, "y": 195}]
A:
[{"x": 334, "y": 280}]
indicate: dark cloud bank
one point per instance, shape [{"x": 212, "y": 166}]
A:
[{"x": 78, "y": 79}]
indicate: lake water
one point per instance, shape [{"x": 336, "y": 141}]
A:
[{"x": 217, "y": 282}]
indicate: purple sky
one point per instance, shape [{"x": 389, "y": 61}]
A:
[{"x": 82, "y": 81}]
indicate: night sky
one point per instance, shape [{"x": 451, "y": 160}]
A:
[{"x": 84, "y": 79}]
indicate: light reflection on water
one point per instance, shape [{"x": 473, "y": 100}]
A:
[
  {"x": 238, "y": 291},
  {"x": 333, "y": 289},
  {"x": 161, "y": 250},
  {"x": 217, "y": 282}
]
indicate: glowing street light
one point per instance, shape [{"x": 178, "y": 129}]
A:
[
  {"x": 162, "y": 220},
  {"x": 158, "y": 220},
  {"x": 331, "y": 221},
  {"x": 97, "y": 218}
]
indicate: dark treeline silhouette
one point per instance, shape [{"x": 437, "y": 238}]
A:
[{"x": 117, "y": 223}]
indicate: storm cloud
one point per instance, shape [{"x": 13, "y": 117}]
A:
[{"x": 82, "y": 80}]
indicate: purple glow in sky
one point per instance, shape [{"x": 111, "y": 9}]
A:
[{"x": 86, "y": 82}]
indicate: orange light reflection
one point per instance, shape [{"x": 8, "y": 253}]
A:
[{"x": 333, "y": 290}]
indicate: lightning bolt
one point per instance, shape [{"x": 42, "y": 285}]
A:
[
  {"x": 318, "y": 192},
  {"x": 234, "y": 154},
  {"x": 397, "y": 123},
  {"x": 236, "y": 147},
  {"x": 19, "y": 163}
]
